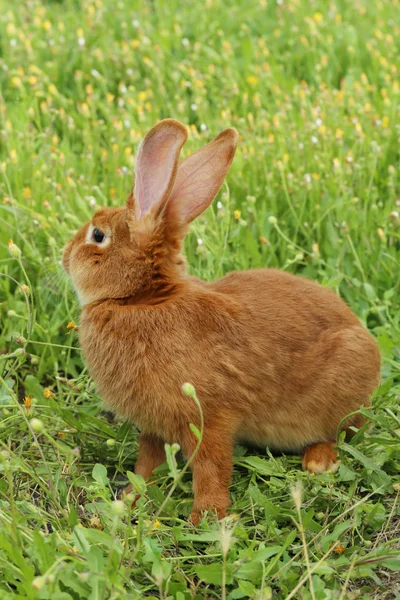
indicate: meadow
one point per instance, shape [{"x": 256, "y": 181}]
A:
[{"x": 313, "y": 88}]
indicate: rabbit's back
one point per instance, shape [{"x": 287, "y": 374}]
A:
[{"x": 318, "y": 362}]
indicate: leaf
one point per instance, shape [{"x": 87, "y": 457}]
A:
[
  {"x": 323, "y": 569},
  {"x": 33, "y": 388},
  {"x": 386, "y": 346},
  {"x": 97, "y": 584},
  {"x": 260, "y": 465},
  {"x": 72, "y": 517},
  {"x": 95, "y": 558},
  {"x": 80, "y": 541},
  {"x": 369, "y": 291},
  {"x": 368, "y": 463},
  {"x": 247, "y": 588},
  {"x": 213, "y": 573},
  {"x": 137, "y": 481},
  {"x": 96, "y": 424},
  {"x": 346, "y": 473},
  {"x": 70, "y": 580},
  {"x": 392, "y": 563},
  {"x": 161, "y": 569},
  {"x": 265, "y": 553},
  {"x": 124, "y": 430},
  {"x": 272, "y": 511},
  {"x": 207, "y": 536},
  {"x": 68, "y": 418},
  {"x": 195, "y": 430},
  {"x": 250, "y": 570},
  {"x": 99, "y": 474},
  {"x": 96, "y": 536}
]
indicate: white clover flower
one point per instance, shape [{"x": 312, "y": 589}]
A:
[
  {"x": 203, "y": 127},
  {"x": 81, "y": 41},
  {"x": 185, "y": 42},
  {"x": 307, "y": 178},
  {"x": 318, "y": 122},
  {"x": 314, "y": 139},
  {"x": 193, "y": 106}
]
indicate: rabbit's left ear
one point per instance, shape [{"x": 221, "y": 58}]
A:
[
  {"x": 199, "y": 178},
  {"x": 156, "y": 168}
]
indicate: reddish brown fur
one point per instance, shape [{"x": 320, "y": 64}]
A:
[{"x": 277, "y": 360}]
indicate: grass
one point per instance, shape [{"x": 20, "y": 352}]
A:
[{"x": 313, "y": 88}]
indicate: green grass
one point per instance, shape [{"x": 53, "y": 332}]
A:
[{"x": 313, "y": 88}]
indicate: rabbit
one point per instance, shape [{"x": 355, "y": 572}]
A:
[{"x": 277, "y": 360}]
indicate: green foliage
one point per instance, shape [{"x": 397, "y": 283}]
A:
[{"x": 313, "y": 89}]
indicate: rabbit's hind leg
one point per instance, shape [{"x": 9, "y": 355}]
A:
[{"x": 320, "y": 457}]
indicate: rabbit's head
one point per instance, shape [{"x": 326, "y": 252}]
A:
[{"x": 134, "y": 252}]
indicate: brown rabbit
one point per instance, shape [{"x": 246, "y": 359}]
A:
[{"x": 277, "y": 360}]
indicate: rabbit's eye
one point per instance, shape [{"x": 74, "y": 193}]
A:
[{"x": 98, "y": 236}]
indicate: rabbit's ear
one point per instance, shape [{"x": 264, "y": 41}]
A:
[
  {"x": 200, "y": 176},
  {"x": 156, "y": 167}
]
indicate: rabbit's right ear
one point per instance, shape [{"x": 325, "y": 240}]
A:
[{"x": 156, "y": 168}]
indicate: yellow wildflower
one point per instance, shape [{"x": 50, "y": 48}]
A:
[
  {"x": 252, "y": 80},
  {"x": 381, "y": 234},
  {"x": 16, "y": 81}
]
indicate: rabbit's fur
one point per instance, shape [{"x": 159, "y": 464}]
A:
[{"x": 277, "y": 360}]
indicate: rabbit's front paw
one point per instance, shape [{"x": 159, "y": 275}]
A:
[{"x": 198, "y": 513}]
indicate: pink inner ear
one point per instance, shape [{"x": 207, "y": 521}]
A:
[{"x": 156, "y": 165}]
